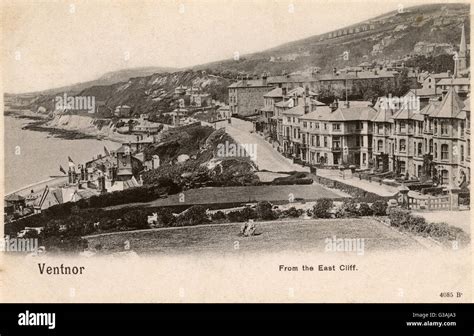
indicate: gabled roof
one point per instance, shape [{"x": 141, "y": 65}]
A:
[
  {"x": 407, "y": 113},
  {"x": 383, "y": 115},
  {"x": 297, "y": 110},
  {"x": 450, "y": 106},
  {"x": 286, "y": 103},
  {"x": 315, "y": 115},
  {"x": 343, "y": 113},
  {"x": 454, "y": 81},
  {"x": 275, "y": 93},
  {"x": 299, "y": 91},
  {"x": 467, "y": 105},
  {"x": 425, "y": 92},
  {"x": 249, "y": 83},
  {"x": 14, "y": 198},
  {"x": 430, "y": 108}
]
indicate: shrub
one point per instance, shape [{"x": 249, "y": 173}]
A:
[
  {"x": 322, "y": 207},
  {"x": 136, "y": 219},
  {"x": 264, "y": 210},
  {"x": 399, "y": 217},
  {"x": 218, "y": 216},
  {"x": 379, "y": 208},
  {"x": 193, "y": 216},
  {"x": 165, "y": 217},
  {"x": 349, "y": 208},
  {"x": 364, "y": 210},
  {"x": 293, "y": 212},
  {"x": 417, "y": 224},
  {"x": 242, "y": 215}
]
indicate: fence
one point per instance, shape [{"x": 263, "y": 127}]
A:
[{"x": 431, "y": 203}]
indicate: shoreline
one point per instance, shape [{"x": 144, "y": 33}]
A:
[
  {"x": 36, "y": 125},
  {"x": 38, "y": 122}
]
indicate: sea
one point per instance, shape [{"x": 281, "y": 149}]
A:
[{"x": 32, "y": 156}]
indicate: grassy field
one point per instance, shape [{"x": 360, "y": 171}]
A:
[
  {"x": 298, "y": 235},
  {"x": 241, "y": 194}
]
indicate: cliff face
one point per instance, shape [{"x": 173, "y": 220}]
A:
[
  {"x": 151, "y": 94},
  {"x": 100, "y": 128}
]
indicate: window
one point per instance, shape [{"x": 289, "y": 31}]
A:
[
  {"x": 435, "y": 127},
  {"x": 462, "y": 153},
  {"x": 420, "y": 149},
  {"x": 436, "y": 151},
  {"x": 336, "y": 144},
  {"x": 316, "y": 125},
  {"x": 420, "y": 170},
  {"x": 403, "y": 126},
  {"x": 468, "y": 148},
  {"x": 380, "y": 145},
  {"x": 336, "y": 127},
  {"x": 379, "y": 129},
  {"x": 402, "y": 167},
  {"x": 325, "y": 142},
  {"x": 444, "y": 176},
  {"x": 431, "y": 146},
  {"x": 444, "y": 152},
  {"x": 325, "y": 126},
  {"x": 310, "y": 125},
  {"x": 318, "y": 142},
  {"x": 444, "y": 128},
  {"x": 462, "y": 128},
  {"x": 403, "y": 145},
  {"x": 364, "y": 158},
  {"x": 294, "y": 133},
  {"x": 305, "y": 124},
  {"x": 289, "y": 119}
]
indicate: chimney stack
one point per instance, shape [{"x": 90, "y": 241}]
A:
[{"x": 264, "y": 79}]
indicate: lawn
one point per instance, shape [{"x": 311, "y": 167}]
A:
[
  {"x": 241, "y": 194},
  {"x": 297, "y": 235}
]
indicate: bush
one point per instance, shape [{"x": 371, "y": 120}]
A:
[
  {"x": 399, "y": 217},
  {"x": 349, "y": 208},
  {"x": 295, "y": 213},
  {"x": 364, "y": 210},
  {"x": 379, "y": 208},
  {"x": 193, "y": 216},
  {"x": 322, "y": 207},
  {"x": 264, "y": 210},
  {"x": 242, "y": 215},
  {"x": 165, "y": 217},
  {"x": 218, "y": 216},
  {"x": 136, "y": 219}
]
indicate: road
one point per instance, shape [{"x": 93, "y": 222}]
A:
[{"x": 267, "y": 157}]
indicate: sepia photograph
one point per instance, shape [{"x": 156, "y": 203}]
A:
[{"x": 236, "y": 151}]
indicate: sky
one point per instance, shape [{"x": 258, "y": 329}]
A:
[{"x": 48, "y": 44}]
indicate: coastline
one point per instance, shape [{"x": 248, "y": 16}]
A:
[{"x": 37, "y": 122}]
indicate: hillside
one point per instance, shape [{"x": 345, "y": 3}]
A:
[
  {"x": 109, "y": 78},
  {"x": 427, "y": 29},
  {"x": 149, "y": 94}
]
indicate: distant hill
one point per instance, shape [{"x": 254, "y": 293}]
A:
[
  {"x": 109, "y": 78},
  {"x": 427, "y": 29},
  {"x": 149, "y": 94},
  {"x": 423, "y": 30}
]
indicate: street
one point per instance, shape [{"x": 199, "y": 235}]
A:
[{"x": 267, "y": 158}]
